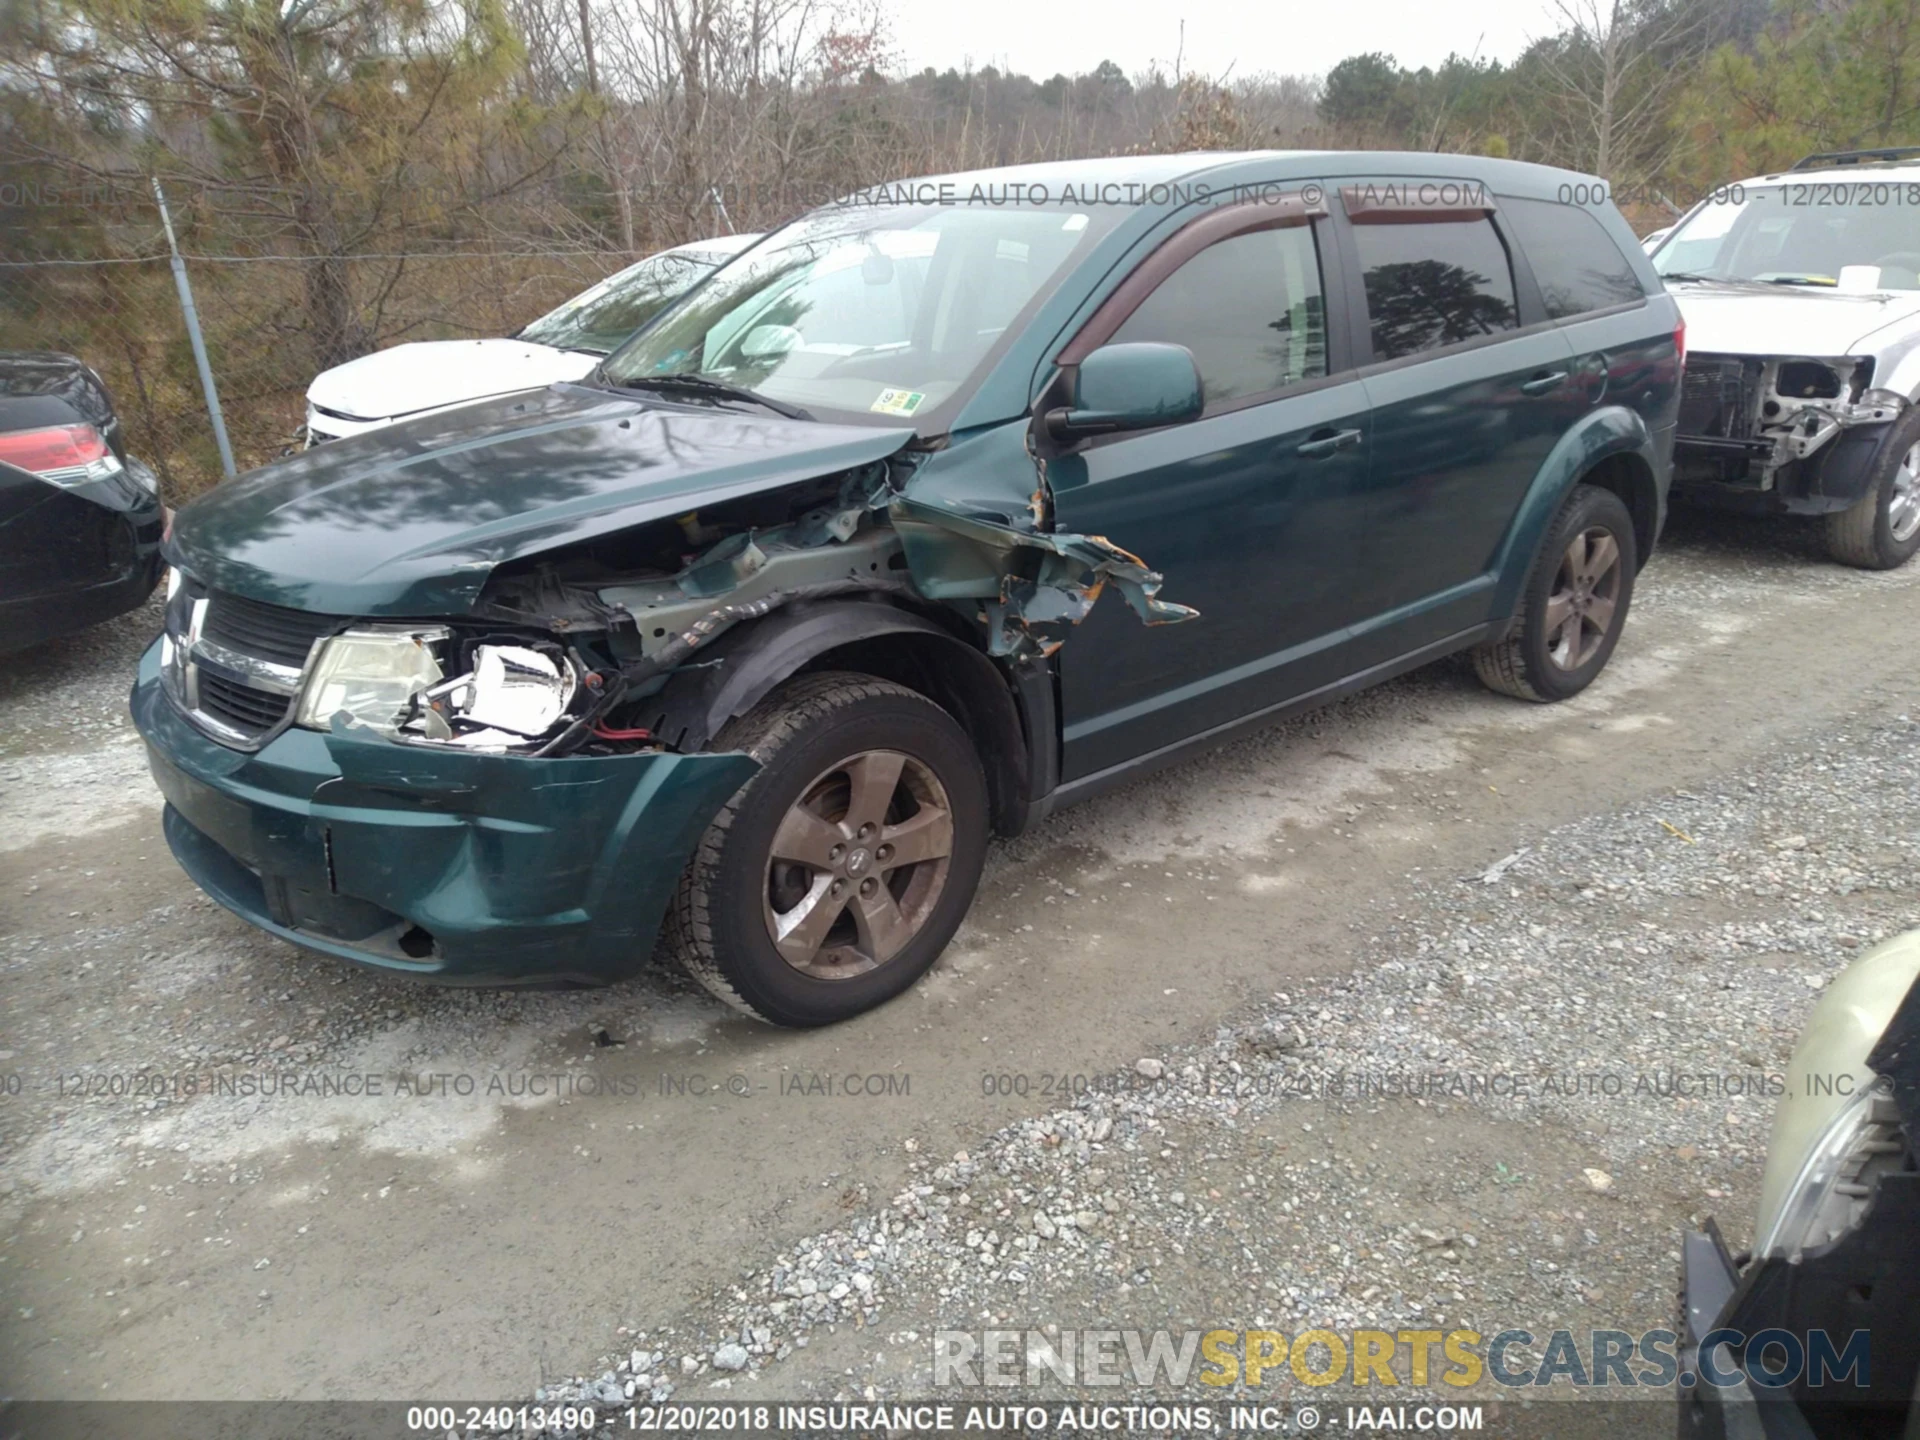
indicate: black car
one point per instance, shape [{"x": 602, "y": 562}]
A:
[{"x": 80, "y": 519}]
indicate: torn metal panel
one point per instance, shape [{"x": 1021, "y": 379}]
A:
[
  {"x": 835, "y": 545},
  {"x": 1023, "y": 577},
  {"x": 993, "y": 545},
  {"x": 1748, "y": 418},
  {"x": 964, "y": 525}
]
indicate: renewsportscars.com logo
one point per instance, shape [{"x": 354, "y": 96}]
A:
[{"x": 1460, "y": 1359}]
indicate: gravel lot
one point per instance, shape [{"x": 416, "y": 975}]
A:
[
  {"x": 1575, "y": 985},
  {"x": 1122, "y": 1106}
]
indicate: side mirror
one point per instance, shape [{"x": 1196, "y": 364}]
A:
[{"x": 1129, "y": 387}]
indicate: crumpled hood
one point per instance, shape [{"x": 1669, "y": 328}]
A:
[
  {"x": 411, "y": 519},
  {"x": 1786, "y": 320},
  {"x": 433, "y": 373}
]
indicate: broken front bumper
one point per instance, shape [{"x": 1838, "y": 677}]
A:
[
  {"x": 1750, "y": 439},
  {"x": 454, "y": 866}
]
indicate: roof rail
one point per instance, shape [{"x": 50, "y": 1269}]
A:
[{"x": 1821, "y": 160}]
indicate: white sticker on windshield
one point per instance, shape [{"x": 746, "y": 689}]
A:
[
  {"x": 1075, "y": 222},
  {"x": 898, "y": 402}
]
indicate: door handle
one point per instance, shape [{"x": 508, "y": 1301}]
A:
[
  {"x": 1324, "y": 442},
  {"x": 1541, "y": 384}
]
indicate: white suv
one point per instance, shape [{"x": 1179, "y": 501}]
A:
[{"x": 1801, "y": 294}]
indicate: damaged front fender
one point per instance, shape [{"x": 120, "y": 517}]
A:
[
  {"x": 966, "y": 524},
  {"x": 975, "y": 523},
  {"x": 1023, "y": 577}
]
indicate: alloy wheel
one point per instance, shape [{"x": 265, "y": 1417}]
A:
[
  {"x": 1903, "y": 500},
  {"x": 858, "y": 864},
  {"x": 1584, "y": 599}
]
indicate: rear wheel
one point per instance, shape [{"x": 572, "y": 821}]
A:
[
  {"x": 832, "y": 880},
  {"x": 1573, "y": 606},
  {"x": 1882, "y": 529}
]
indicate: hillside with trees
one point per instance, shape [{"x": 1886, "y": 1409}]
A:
[{"x": 346, "y": 174}]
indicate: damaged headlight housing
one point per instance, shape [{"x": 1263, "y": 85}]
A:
[
  {"x": 513, "y": 694},
  {"x": 1829, "y": 1163},
  {"x": 372, "y": 675},
  {"x": 393, "y": 680}
]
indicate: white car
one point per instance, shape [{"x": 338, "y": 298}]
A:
[
  {"x": 564, "y": 344},
  {"x": 1801, "y": 296}
]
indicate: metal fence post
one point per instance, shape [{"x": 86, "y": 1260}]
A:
[{"x": 193, "y": 334}]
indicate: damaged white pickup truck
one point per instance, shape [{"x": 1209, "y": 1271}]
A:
[{"x": 1801, "y": 293}]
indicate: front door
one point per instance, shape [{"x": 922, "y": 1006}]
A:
[{"x": 1253, "y": 513}]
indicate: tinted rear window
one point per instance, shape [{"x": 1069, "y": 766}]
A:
[
  {"x": 1574, "y": 259},
  {"x": 1434, "y": 283}
]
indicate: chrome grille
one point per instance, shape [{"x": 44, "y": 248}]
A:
[
  {"x": 267, "y": 632},
  {"x": 235, "y": 666},
  {"x": 239, "y": 706}
]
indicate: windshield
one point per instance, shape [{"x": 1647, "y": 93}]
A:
[
  {"x": 598, "y": 319},
  {"x": 879, "y": 315},
  {"x": 1852, "y": 235}
]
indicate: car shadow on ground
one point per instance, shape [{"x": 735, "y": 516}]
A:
[{"x": 1784, "y": 540}]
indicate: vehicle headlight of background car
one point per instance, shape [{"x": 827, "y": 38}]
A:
[
  {"x": 1835, "y": 1252},
  {"x": 69, "y": 455},
  {"x": 1823, "y": 1199}
]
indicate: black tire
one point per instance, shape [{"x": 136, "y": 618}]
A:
[
  {"x": 722, "y": 919},
  {"x": 1867, "y": 534},
  {"x": 1536, "y": 660}
]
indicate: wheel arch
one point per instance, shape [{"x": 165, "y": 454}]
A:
[
  {"x": 1009, "y": 718},
  {"x": 1612, "y": 448},
  {"x": 1629, "y": 476}
]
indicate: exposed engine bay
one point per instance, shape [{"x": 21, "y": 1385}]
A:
[
  {"x": 568, "y": 651},
  {"x": 1747, "y": 420}
]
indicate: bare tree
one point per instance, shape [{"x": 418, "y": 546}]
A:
[{"x": 1611, "y": 74}]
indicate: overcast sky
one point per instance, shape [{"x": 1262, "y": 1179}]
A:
[{"x": 1246, "y": 36}]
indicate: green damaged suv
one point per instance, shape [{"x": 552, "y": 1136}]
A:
[{"x": 754, "y": 635}]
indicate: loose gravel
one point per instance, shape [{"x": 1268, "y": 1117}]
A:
[{"x": 1535, "y": 1167}]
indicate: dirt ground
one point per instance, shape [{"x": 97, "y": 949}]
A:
[{"x": 542, "y": 1176}]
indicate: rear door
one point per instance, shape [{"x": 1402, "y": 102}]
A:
[
  {"x": 1623, "y": 349},
  {"x": 1253, "y": 512},
  {"x": 1470, "y": 386}
]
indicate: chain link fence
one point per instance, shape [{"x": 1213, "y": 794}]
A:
[{"x": 122, "y": 314}]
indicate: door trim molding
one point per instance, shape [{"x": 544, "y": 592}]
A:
[{"x": 1088, "y": 786}]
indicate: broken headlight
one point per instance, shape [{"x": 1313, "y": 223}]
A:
[
  {"x": 513, "y": 694},
  {"x": 1836, "y": 1176},
  {"x": 394, "y": 680},
  {"x": 372, "y": 675}
]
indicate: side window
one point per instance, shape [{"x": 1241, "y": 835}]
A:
[
  {"x": 1249, "y": 308},
  {"x": 1434, "y": 283},
  {"x": 1574, "y": 259}
]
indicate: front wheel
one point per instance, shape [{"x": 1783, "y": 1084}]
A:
[
  {"x": 1882, "y": 529},
  {"x": 1573, "y": 606},
  {"x": 835, "y": 876}
]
